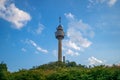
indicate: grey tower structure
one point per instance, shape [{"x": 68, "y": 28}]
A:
[
  {"x": 63, "y": 59},
  {"x": 59, "y": 35}
]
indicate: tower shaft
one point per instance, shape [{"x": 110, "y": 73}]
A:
[{"x": 60, "y": 50}]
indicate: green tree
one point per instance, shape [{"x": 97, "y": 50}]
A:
[
  {"x": 71, "y": 64},
  {"x": 3, "y": 71}
]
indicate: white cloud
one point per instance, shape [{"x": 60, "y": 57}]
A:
[
  {"x": 38, "y": 48},
  {"x": 77, "y": 34},
  {"x": 71, "y": 44},
  {"x": 111, "y": 2},
  {"x": 94, "y": 61},
  {"x": 33, "y": 43},
  {"x": 72, "y": 52},
  {"x": 40, "y": 28},
  {"x": 69, "y": 15},
  {"x": 11, "y": 13},
  {"x": 77, "y": 39},
  {"x": 23, "y": 49},
  {"x": 36, "y": 30}
]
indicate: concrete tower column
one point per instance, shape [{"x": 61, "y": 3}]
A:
[{"x": 59, "y": 50}]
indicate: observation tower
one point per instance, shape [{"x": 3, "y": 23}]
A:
[{"x": 59, "y": 34}]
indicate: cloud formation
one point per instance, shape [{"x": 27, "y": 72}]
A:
[
  {"x": 36, "y": 30},
  {"x": 94, "y": 61},
  {"x": 12, "y": 14},
  {"x": 77, "y": 34},
  {"x": 38, "y": 47},
  {"x": 40, "y": 28},
  {"x": 23, "y": 49},
  {"x": 69, "y": 16},
  {"x": 110, "y": 3}
]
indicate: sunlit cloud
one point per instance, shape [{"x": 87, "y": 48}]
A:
[
  {"x": 94, "y": 61},
  {"x": 72, "y": 52},
  {"x": 71, "y": 44},
  {"x": 77, "y": 34},
  {"x": 38, "y": 48},
  {"x": 69, "y": 16},
  {"x": 109, "y": 3},
  {"x": 12, "y": 14}
]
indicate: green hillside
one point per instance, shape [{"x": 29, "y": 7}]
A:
[{"x": 62, "y": 71}]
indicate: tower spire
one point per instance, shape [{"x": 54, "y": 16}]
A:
[{"x": 59, "y": 20}]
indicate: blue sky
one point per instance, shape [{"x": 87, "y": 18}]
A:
[{"x": 27, "y": 39}]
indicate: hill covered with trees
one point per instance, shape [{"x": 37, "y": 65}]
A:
[{"x": 62, "y": 71}]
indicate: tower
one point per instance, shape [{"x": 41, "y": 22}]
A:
[
  {"x": 63, "y": 59},
  {"x": 59, "y": 34}
]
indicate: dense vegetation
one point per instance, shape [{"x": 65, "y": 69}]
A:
[{"x": 62, "y": 71}]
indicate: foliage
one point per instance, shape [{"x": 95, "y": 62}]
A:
[
  {"x": 62, "y": 71},
  {"x": 3, "y": 71}
]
